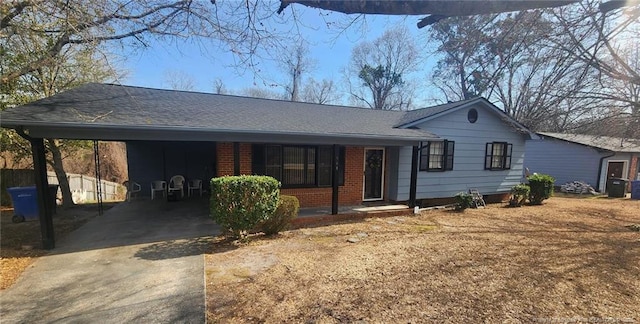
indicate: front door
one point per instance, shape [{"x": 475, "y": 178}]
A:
[
  {"x": 615, "y": 170},
  {"x": 373, "y": 174}
]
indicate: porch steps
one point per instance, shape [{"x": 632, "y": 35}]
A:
[{"x": 356, "y": 213}]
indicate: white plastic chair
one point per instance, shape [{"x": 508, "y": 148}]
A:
[
  {"x": 158, "y": 185},
  {"x": 195, "y": 184},
  {"x": 132, "y": 188},
  {"x": 177, "y": 184}
]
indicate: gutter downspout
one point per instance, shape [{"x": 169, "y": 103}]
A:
[{"x": 600, "y": 168}]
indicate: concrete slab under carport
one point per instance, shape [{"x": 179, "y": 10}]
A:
[{"x": 139, "y": 262}]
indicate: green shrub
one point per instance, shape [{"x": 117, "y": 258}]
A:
[
  {"x": 519, "y": 195},
  {"x": 239, "y": 203},
  {"x": 463, "y": 201},
  {"x": 287, "y": 210},
  {"x": 541, "y": 186}
]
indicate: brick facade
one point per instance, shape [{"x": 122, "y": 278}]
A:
[
  {"x": 349, "y": 194},
  {"x": 224, "y": 159}
]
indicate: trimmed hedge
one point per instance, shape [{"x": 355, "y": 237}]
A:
[
  {"x": 519, "y": 195},
  {"x": 541, "y": 188},
  {"x": 287, "y": 210},
  {"x": 239, "y": 203}
]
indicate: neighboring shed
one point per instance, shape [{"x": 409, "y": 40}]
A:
[{"x": 588, "y": 158}]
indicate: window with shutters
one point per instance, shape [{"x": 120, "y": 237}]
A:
[
  {"x": 498, "y": 156},
  {"x": 437, "y": 156}
]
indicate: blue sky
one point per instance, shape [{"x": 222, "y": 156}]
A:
[{"x": 330, "y": 48}]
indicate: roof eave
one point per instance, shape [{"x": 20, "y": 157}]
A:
[
  {"x": 598, "y": 148},
  {"x": 482, "y": 100},
  {"x": 176, "y": 133}
]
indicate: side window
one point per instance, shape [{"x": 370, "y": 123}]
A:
[
  {"x": 437, "y": 156},
  {"x": 498, "y": 156}
]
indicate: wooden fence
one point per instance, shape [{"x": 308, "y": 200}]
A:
[{"x": 83, "y": 188}]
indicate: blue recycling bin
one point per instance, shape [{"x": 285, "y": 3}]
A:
[
  {"x": 635, "y": 189},
  {"x": 25, "y": 203}
]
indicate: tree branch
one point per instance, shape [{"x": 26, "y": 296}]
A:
[{"x": 14, "y": 12}]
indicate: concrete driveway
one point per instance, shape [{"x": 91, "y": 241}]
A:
[{"x": 140, "y": 262}]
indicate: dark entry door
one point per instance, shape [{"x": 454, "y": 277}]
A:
[
  {"x": 615, "y": 170},
  {"x": 373, "y": 174}
]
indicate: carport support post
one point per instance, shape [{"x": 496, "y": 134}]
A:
[
  {"x": 42, "y": 190},
  {"x": 335, "y": 168},
  {"x": 414, "y": 177},
  {"x": 236, "y": 158}
]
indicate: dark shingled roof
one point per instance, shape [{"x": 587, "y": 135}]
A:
[
  {"x": 613, "y": 144},
  {"x": 127, "y": 107},
  {"x": 417, "y": 114}
]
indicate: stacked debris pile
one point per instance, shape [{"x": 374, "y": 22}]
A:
[{"x": 578, "y": 187}]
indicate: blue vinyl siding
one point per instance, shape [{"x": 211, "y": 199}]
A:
[
  {"x": 392, "y": 171},
  {"x": 468, "y": 168},
  {"x": 563, "y": 160}
]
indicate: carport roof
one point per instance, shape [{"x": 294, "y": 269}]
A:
[{"x": 117, "y": 112}]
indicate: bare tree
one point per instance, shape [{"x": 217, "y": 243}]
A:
[
  {"x": 508, "y": 59},
  {"x": 323, "y": 92},
  {"x": 378, "y": 72},
  {"x": 598, "y": 37},
  {"x": 257, "y": 92},
  {"x": 605, "y": 38},
  {"x": 462, "y": 43},
  {"x": 621, "y": 118},
  {"x": 235, "y": 25},
  {"x": 219, "y": 87},
  {"x": 179, "y": 80},
  {"x": 295, "y": 62},
  {"x": 74, "y": 66}
]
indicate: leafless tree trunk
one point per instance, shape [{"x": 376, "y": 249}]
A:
[
  {"x": 296, "y": 64},
  {"x": 56, "y": 164}
]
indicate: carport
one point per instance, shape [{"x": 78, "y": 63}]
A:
[{"x": 190, "y": 121}]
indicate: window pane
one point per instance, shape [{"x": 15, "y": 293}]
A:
[
  {"x": 324, "y": 166},
  {"x": 436, "y": 155},
  {"x": 449, "y": 157},
  {"x": 424, "y": 156},
  {"x": 497, "y": 158},
  {"x": 310, "y": 178},
  {"x": 507, "y": 160},
  {"x": 258, "y": 159},
  {"x": 293, "y": 165},
  {"x": 273, "y": 165}
]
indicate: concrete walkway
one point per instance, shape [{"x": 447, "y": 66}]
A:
[{"x": 140, "y": 262}]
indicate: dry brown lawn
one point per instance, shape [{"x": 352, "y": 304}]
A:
[
  {"x": 20, "y": 243},
  {"x": 570, "y": 260}
]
